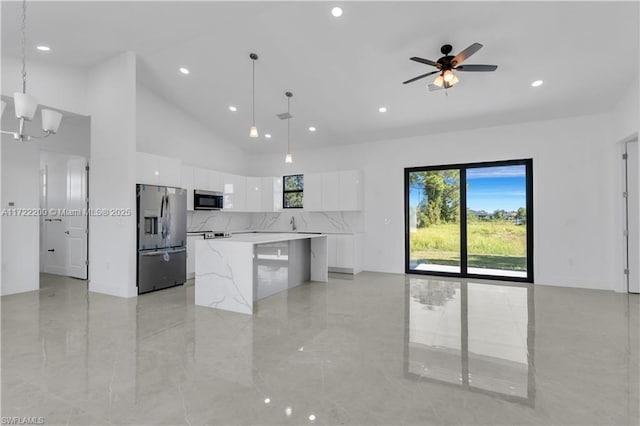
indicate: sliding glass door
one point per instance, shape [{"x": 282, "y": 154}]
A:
[{"x": 470, "y": 220}]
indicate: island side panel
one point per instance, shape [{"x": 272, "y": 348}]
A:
[
  {"x": 299, "y": 262},
  {"x": 224, "y": 275},
  {"x": 319, "y": 259}
]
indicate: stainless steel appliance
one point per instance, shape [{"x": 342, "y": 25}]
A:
[
  {"x": 207, "y": 200},
  {"x": 162, "y": 237}
]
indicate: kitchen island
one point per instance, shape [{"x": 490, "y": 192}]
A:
[{"x": 233, "y": 273}]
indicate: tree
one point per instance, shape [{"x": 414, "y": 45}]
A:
[
  {"x": 521, "y": 215},
  {"x": 499, "y": 214}
]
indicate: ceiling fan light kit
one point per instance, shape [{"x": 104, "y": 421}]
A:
[
  {"x": 447, "y": 64},
  {"x": 25, "y": 105}
]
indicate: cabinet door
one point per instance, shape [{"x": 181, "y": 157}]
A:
[
  {"x": 333, "y": 252},
  {"x": 216, "y": 181},
  {"x": 350, "y": 182},
  {"x": 201, "y": 179},
  {"x": 254, "y": 194},
  {"x": 344, "y": 251},
  {"x": 235, "y": 194},
  {"x": 268, "y": 203},
  {"x": 277, "y": 194},
  {"x": 186, "y": 182},
  {"x": 156, "y": 170},
  {"x": 313, "y": 192},
  {"x": 331, "y": 191}
]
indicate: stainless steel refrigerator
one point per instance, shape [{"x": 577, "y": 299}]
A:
[{"x": 162, "y": 237}]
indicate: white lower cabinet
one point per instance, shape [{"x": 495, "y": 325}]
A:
[
  {"x": 345, "y": 253},
  {"x": 191, "y": 255}
]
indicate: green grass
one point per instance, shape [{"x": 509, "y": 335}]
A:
[{"x": 496, "y": 244}]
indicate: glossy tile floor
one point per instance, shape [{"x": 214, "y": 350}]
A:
[{"x": 377, "y": 349}]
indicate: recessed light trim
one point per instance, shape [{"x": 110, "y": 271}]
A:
[
  {"x": 312, "y": 129},
  {"x": 267, "y": 135},
  {"x": 233, "y": 108},
  {"x": 184, "y": 70},
  {"x": 43, "y": 48},
  {"x": 336, "y": 12},
  {"x": 382, "y": 109},
  {"x": 312, "y": 417},
  {"x": 537, "y": 83}
]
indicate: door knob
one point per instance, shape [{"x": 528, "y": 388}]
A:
[{"x": 66, "y": 232}]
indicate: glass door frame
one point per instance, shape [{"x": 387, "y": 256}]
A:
[{"x": 528, "y": 163}]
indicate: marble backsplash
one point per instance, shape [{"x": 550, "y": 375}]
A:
[{"x": 329, "y": 222}]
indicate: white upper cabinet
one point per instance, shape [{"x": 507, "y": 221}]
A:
[
  {"x": 156, "y": 170},
  {"x": 331, "y": 191},
  {"x": 235, "y": 192},
  {"x": 207, "y": 180},
  {"x": 254, "y": 194},
  {"x": 313, "y": 192},
  {"x": 350, "y": 182},
  {"x": 186, "y": 182},
  {"x": 270, "y": 190}
]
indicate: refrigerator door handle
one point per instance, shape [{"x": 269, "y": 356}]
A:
[{"x": 162, "y": 252}]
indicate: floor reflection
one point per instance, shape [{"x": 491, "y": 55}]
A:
[{"x": 477, "y": 336}]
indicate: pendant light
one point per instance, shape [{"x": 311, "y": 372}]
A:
[
  {"x": 253, "y": 133},
  {"x": 25, "y": 105},
  {"x": 288, "y": 158}
]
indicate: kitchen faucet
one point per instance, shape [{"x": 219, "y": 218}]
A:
[{"x": 293, "y": 223}]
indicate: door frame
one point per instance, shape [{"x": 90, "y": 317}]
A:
[{"x": 462, "y": 167}]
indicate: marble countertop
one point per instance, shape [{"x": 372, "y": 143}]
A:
[{"x": 263, "y": 238}]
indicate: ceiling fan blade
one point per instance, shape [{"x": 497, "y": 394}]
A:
[
  {"x": 433, "y": 87},
  {"x": 426, "y": 61},
  {"x": 476, "y": 68},
  {"x": 460, "y": 57},
  {"x": 420, "y": 76}
]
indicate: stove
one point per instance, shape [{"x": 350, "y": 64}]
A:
[{"x": 212, "y": 235}]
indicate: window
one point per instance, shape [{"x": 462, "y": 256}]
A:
[
  {"x": 470, "y": 220},
  {"x": 293, "y": 191}
]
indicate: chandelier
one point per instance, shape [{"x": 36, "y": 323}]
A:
[{"x": 26, "y": 105}]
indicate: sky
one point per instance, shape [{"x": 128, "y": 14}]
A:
[
  {"x": 494, "y": 188},
  {"x": 490, "y": 188}
]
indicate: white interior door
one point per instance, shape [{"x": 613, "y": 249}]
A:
[
  {"x": 76, "y": 232},
  {"x": 64, "y": 245},
  {"x": 633, "y": 219}
]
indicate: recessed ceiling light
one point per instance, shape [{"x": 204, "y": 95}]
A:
[
  {"x": 183, "y": 70},
  {"x": 267, "y": 400},
  {"x": 157, "y": 173},
  {"x": 537, "y": 83},
  {"x": 337, "y": 12},
  {"x": 312, "y": 417},
  {"x": 312, "y": 129},
  {"x": 43, "y": 48},
  {"x": 232, "y": 108},
  {"x": 267, "y": 135},
  {"x": 382, "y": 109}
]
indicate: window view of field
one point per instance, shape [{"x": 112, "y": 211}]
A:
[{"x": 496, "y": 218}]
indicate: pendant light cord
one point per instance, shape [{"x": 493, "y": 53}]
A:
[
  {"x": 253, "y": 90},
  {"x": 24, "y": 48},
  {"x": 289, "y": 125}
]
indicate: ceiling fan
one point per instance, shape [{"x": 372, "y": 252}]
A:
[{"x": 447, "y": 64}]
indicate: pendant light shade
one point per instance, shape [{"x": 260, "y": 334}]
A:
[
  {"x": 51, "y": 120},
  {"x": 288, "y": 158},
  {"x": 253, "y": 132},
  {"x": 25, "y": 105}
]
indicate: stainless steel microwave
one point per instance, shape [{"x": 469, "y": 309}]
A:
[{"x": 207, "y": 200}]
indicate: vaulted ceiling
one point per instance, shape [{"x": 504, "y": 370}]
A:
[{"x": 341, "y": 70}]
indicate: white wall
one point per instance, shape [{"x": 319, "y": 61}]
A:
[
  {"x": 573, "y": 164},
  {"x": 164, "y": 129},
  {"x": 20, "y": 244},
  {"x": 112, "y": 240},
  {"x": 56, "y": 86}
]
